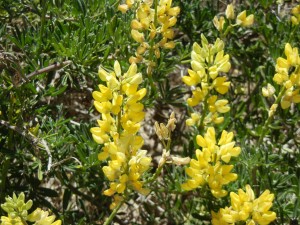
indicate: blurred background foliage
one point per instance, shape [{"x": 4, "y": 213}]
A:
[{"x": 50, "y": 51}]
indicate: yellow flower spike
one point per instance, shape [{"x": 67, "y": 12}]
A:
[
  {"x": 230, "y": 12},
  {"x": 219, "y": 23},
  {"x": 244, "y": 20},
  {"x": 207, "y": 167}
]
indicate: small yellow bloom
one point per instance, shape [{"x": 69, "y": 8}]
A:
[
  {"x": 195, "y": 118},
  {"x": 244, "y": 20},
  {"x": 219, "y": 23},
  {"x": 137, "y": 36},
  {"x": 272, "y": 110},
  {"x": 123, "y": 8}
]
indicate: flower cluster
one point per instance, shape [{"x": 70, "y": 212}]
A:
[
  {"x": 211, "y": 163},
  {"x": 288, "y": 76},
  {"x": 242, "y": 19},
  {"x": 152, "y": 28},
  {"x": 207, "y": 63},
  {"x": 296, "y": 15},
  {"x": 17, "y": 211},
  {"x": 245, "y": 207},
  {"x": 121, "y": 113}
]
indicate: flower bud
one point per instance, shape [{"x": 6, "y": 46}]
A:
[
  {"x": 123, "y": 8},
  {"x": 230, "y": 12}
]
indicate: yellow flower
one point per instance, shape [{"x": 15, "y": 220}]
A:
[
  {"x": 272, "y": 110},
  {"x": 221, "y": 85},
  {"x": 230, "y": 12},
  {"x": 290, "y": 96},
  {"x": 123, "y": 8},
  {"x": 244, "y": 20},
  {"x": 245, "y": 207},
  {"x": 41, "y": 217},
  {"x": 219, "y": 23},
  {"x": 11, "y": 221},
  {"x": 137, "y": 36},
  {"x": 215, "y": 105},
  {"x": 296, "y": 15},
  {"x": 268, "y": 91},
  {"x": 195, "y": 118}
]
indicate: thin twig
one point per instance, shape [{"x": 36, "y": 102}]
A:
[
  {"x": 54, "y": 66},
  {"x": 34, "y": 140}
]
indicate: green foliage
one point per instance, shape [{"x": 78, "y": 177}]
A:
[{"x": 50, "y": 52}]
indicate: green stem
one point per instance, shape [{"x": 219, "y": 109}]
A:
[
  {"x": 205, "y": 108},
  {"x": 152, "y": 50},
  {"x": 159, "y": 169},
  {"x": 4, "y": 172},
  {"x": 157, "y": 173},
  {"x": 23, "y": 221},
  {"x": 113, "y": 214},
  {"x": 268, "y": 121}
]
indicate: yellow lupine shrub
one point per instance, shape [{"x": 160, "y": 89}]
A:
[
  {"x": 121, "y": 113},
  {"x": 211, "y": 163},
  {"x": 245, "y": 207},
  {"x": 208, "y": 62}
]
